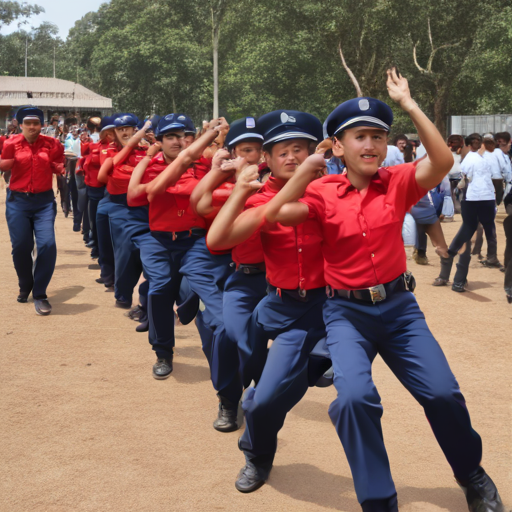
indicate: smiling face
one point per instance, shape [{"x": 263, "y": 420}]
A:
[
  {"x": 172, "y": 144},
  {"x": 251, "y": 151},
  {"x": 31, "y": 128},
  {"x": 363, "y": 149},
  {"x": 124, "y": 134},
  {"x": 286, "y": 156}
]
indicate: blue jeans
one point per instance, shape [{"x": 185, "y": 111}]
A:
[
  {"x": 30, "y": 216},
  {"x": 395, "y": 329},
  {"x": 106, "y": 251}
]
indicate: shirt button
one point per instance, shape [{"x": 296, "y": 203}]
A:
[
  {"x": 364, "y": 234},
  {"x": 300, "y": 250},
  {"x": 373, "y": 255}
]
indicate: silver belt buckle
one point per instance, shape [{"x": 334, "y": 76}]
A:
[
  {"x": 377, "y": 293},
  {"x": 302, "y": 293}
]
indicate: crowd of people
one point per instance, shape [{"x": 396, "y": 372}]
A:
[{"x": 228, "y": 226}]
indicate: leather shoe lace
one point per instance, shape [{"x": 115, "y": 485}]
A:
[{"x": 481, "y": 493}]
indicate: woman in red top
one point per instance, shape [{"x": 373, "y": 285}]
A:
[
  {"x": 30, "y": 210},
  {"x": 125, "y": 221},
  {"x": 371, "y": 309}
]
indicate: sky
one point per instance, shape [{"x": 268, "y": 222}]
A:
[{"x": 63, "y": 13}]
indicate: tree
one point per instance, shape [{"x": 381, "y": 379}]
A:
[{"x": 11, "y": 11}]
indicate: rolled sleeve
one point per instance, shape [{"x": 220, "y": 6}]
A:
[{"x": 314, "y": 200}]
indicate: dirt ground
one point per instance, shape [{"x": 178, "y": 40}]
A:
[{"x": 84, "y": 426}]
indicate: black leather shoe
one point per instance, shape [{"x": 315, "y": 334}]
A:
[
  {"x": 122, "y": 304},
  {"x": 90, "y": 244},
  {"x": 143, "y": 326},
  {"x": 459, "y": 287},
  {"x": 228, "y": 417},
  {"x": 23, "y": 297},
  {"x": 43, "y": 307},
  {"x": 135, "y": 313},
  {"x": 162, "y": 369},
  {"x": 481, "y": 493},
  {"x": 250, "y": 478}
]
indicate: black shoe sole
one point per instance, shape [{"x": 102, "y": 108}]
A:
[
  {"x": 161, "y": 377},
  {"x": 252, "y": 488},
  {"x": 226, "y": 429}
]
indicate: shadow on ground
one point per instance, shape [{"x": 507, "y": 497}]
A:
[
  {"x": 60, "y": 297},
  {"x": 304, "y": 482}
]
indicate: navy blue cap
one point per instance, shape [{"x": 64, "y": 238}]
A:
[
  {"x": 359, "y": 112},
  {"x": 107, "y": 123},
  {"x": 289, "y": 124},
  {"x": 126, "y": 119},
  {"x": 170, "y": 123},
  {"x": 30, "y": 112},
  {"x": 242, "y": 130},
  {"x": 188, "y": 123}
]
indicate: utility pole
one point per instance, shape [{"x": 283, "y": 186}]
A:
[
  {"x": 53, "y": 61},
  {"x": 218, "y": 10}
]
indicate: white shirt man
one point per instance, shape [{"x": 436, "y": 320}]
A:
[{"x": 478, "y": 171}]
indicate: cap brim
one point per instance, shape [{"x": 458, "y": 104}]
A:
[
  {"x": 108, "y": 127},
  {"x": 366, "y": 121},
  {"x": 244, "y": 136},
  {"x": 290, "y": 135}
]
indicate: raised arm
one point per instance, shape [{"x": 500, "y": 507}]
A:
[
  {"x": 283, "y": 207},
  {"x": 202, "y": 196},
  {"x": 175, "y": 170},
  {"x": 134, "y": 141},
  {"x": 135, "y": 187},
  {"x": 105, "y": 170},
  {"x": 232, "y": 225},
  {"x": 431, "y": 171}
]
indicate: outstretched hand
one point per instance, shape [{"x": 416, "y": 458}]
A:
[
  {"x": 398, "y": 89},
  {"x": 220, "y": 156},
  {"x": 236, "y": 165}
]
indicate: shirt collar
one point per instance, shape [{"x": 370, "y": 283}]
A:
[{"x": 379, "y": 181}]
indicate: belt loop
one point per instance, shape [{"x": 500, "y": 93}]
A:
[
  {"x": 174, "y": 236},
  {"x": 329, "y": 291},
  {"x": 278, "y": 291}
]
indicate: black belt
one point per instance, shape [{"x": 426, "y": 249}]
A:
[
  {"x": 179, "y": 235},
  {"x": 32, "y": 194},
  {"x": 298, "y": 293},
  {"x": 403, "y": 283},
  {"x": 251, "y": 268}
]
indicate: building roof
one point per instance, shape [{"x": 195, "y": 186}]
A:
[{"x": 49, "y": 92}]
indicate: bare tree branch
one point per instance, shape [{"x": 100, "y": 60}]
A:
[
  {"x": 351, "y": 75},
  {"x": 416, "y": 60}
]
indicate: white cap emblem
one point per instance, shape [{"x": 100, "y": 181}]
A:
[
  {"x": 285, "y": 118},
  {"x": 250, "y": 122},
  {"x": 364, "y": 104},
  {"x": 182, "y": 118}
]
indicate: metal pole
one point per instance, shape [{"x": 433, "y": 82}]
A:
[
  {"x": 26, "y": 55},
  {"x": 54, "y": 61}
]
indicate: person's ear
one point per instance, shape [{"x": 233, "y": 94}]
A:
[{"x": 338, "y": 149}]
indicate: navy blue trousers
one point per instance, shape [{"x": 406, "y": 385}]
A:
[
  {"x": 29, "y": 217},
  {"x": 395, "y": 329},
  {"x": 242, "y": 293},
  {"x": 127, "y": 223},
  {"x": 293, "y": 325},
  {"x": 105, "y": 248},
  {"x": 95, "y": 195},
  {"x": 207, "y": 274},
  {"x": 161, "y": 258}
]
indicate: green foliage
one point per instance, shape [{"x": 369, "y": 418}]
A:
[
  {"x": 156, "y": 57},
  {"x": 11, "y": 11}
]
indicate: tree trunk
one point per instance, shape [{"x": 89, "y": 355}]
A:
[
  {"x": 215, "y": 23},
  {"x": 440, "y": 108}
]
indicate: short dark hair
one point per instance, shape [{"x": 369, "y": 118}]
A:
[
  {"x": 472, "y": 137},
  {"x": 503, "y": 136},
  {"x": 455, "y": 139},
  {"x": 402, "y": 136},
  {"x": 267, "y": 148}
]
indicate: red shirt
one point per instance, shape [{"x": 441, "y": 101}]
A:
[
  {"x": 121, "y": 174},
  {"x": 91, "y": 164},
  {"x": 248, "y": 252},
  {"x": 202, "y": 167},
  {"x": 171, "y": 211},
  {"x": 34, "y": 164},
  {"x": 3, "y": 138},
  {"x": 362, "y": 236},
  {"x": 293, "y": 255},
  {"x": 154, "y": 168}
]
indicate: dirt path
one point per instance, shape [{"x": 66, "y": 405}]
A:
[{"x": 84, "y": 426}]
